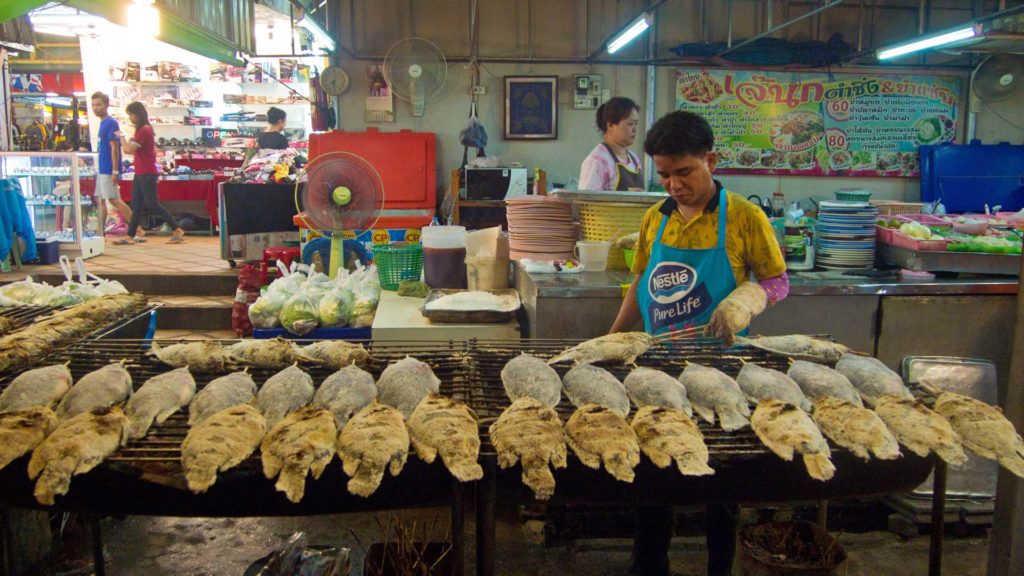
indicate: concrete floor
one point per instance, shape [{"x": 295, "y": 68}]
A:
[{"x": 226, "y": 546}]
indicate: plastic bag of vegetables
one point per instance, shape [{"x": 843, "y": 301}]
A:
[
  {"x": 25, "y": 291},
  {"x": 299, "y": 315},
  {"x": 263, "y": 313},
  {"x": 335, "y": 307}
]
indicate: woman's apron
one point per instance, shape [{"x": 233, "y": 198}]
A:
[
  {"x": 681, "y": 287},
  {"x": 625, "y": 177}
]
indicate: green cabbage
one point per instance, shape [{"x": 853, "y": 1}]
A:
[
  {"x": 299, "y": 315},
  {"x": 335, "y": 307}
]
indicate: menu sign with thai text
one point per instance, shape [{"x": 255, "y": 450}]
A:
[{"x": 821, "y": 124}]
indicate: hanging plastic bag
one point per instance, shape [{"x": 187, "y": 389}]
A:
[
  {"x": 473, "y": 135},
  {"x": 299, "y": 314},
  {"x": 335, "y": 307}
]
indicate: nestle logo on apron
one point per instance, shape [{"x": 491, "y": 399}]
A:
[{"x": 677, "y": 293}]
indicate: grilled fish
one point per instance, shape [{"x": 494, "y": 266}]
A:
[
  {"x": 530, "y": 432},
  {"x": 158, "y": 398},
  {"x": 920, "y": 429},
  {"x": 855, "y": 428},
  {"x": 275, "y": 353},
  {"x": 527, "y": 376},
  {"x": 649, "y": 387},
  {"x": 404, "y": 383},
  {"x": 224, "y": 392},
  {"x": 622, "y": 347},
  {"x": 22, "y": 430},
  {"x": 597, "y": 434},
  {"x": 200, "y": 356},
  {"x": 337, "y": 354},
  {"x": 39, "y": 387},
  {"x": 786, "y": 429},
  {"x": 872, "y": 378},
  {"x": 798, "y": 347},
  {"x": 711, "y": 392},
  {"x": 816, "y": 381},
  {"x": 983, "y": 429},
  {"x": 98, "y": 389},
  {"x": 6, "y": 325},
  {"x": 77, "y": 446},
  {"x": 667, "y": 434},
  {"x": 759, "y": 383},
  {"x": 445, "y": 426},
  {"x": 283, "y": 393},
  {"x": 302, "y": 443},
  {"x": 374, "y": 440},
  {"x": 346, "y": 392},
  {"x": 219, "y": 443},
  {"x": 586, "y": 384}
]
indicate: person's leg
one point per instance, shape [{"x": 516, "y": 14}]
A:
[
  {"x": 153, "y": 203},
  {"x": 137, "y": 203},
  {"x": 721, "y": 530},
  {"x": 101, "y": 210},
  {"x": 124, "y": 209},
  {"x": 652, "y": 534}
]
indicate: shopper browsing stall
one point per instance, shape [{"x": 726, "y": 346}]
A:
[
  {"x": 109, "y": 150},
  {"x": 273, "y": 138}
]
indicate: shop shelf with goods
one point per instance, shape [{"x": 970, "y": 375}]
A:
[{"x": 59, "y": 190}]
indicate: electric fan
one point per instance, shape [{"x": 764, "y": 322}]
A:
[
  {"x": 416, "y": 70},
  {"x": 998, "y": 77},
  {"x": 342, "y": 191}
]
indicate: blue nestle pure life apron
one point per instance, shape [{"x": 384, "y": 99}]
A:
[{"x": 681, "y": 287}]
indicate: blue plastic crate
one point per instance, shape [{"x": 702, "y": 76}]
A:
[
  {"x": 343, "y": 333},
  {"x": 968, "y": 176}
]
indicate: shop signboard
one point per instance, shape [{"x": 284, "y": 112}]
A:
[
  {"x": 821, "y": 124},
  {"x": 215, "y": 137}
]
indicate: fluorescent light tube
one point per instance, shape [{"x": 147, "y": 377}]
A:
[
  {"x": 635, "y": 29},
  {"x": 925, "y": 43},
  {"x": 318, "y": 32}
]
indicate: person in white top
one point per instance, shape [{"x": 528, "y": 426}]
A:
[{"x": 611, "y": 165}]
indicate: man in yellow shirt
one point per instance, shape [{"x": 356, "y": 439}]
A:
[{"x": 694, "y": 259}]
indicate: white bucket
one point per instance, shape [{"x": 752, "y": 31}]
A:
[{"x": 593, "y": 254}]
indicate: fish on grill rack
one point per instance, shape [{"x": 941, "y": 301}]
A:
[
  {"x": 284, "y": 393},
  {"x": 158, "y": 398},
  {"x": 649, "y": 387},
  {"x": 346, "y": 392},
  {"x": 39, "y": 387},
  {"x": 531, "y": 433},
  {"x": 404, "y": 383},
  {"x": 224, "y": 392},
  {"x": 586, "y": 384},
  {"x": 785, "y": 429},
  {"x": 77, "y": 446},
  {"x": 712, "y": 392},
  {"x": 374, "y": 440},
  {"x": 7, "y": 325},
  {"x": 201, "y": 356},
  {"x": 445, "y": 426},
  {"x": 667, "y": 434},
  {"x": 527, "y": 376},
  {"x": 622, "y": 347},
  {"x": 919, "y": 429},
  {"x": 274, "y": 353},
  {"x": 872, "y": 378},
  {"x": 337, "y": 354},
  {"x": 816, "y": 381},
  {"x": 22, "y": 430},
  {"x": 219, "y": 443},
  {"x": 302, "y": 443},
  {"x": 597, "y": 434},
  {"x": 983, "y": 429},
  {"x": 759, "y": 383},
  {"x": 855, "y": 428},
  {"x": 101, "y": 388},
  {"x": 798, "y": 347}
]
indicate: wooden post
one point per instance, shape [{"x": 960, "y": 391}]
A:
[{"x": 1006, "y": 551}]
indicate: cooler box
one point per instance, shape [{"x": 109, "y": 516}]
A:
[
  {"x": 406, "y": 162},
  {"x": 48, "y": 251}
]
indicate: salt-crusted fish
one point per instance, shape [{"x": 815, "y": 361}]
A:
[
  {"x": 39, "y": 387},
  {"x": 622, "y": 347}
]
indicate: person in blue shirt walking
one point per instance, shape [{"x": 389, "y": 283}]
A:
[{"x": 109, "y": 148}]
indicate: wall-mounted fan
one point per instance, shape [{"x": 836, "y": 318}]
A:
[
  {"x": 416, "y": 70},
  {"x": 342, "y": 191},
  {"x": 998, "y": 78}
]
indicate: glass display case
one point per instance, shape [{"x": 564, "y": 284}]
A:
[{"x": 59, "y": 189}]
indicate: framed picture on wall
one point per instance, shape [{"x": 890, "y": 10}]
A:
[{"x": 531, "y": 107}]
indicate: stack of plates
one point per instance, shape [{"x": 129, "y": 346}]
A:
[
  {"x": 541, "y": 228},
  {"x": 845, "y": 239}
]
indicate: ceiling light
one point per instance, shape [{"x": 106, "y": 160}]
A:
[
  {"x": 934, "y": 41},
  {"x": 144, "y": 18},
  {"x": 635, "y": 28},
  {"x": 319, "y": 34},
  {"x": 53, "y": 30}
]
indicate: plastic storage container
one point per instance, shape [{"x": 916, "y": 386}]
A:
[{"x": 444, "y": 256}]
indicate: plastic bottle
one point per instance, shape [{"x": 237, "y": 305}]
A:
[
  {"x": 536, "y": 180},
  {"x": 778, "y": 204}
]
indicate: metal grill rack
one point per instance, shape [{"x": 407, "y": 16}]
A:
[{"x": 22, "y": 316}]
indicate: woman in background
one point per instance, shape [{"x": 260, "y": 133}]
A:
[
  {"x": 273, "y": 138},
  {"x": 611, "y": 165},
  {"x": 143, "y": 148}
]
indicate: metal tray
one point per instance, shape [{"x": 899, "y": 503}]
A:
[
  {"x": 951, "y": 261},
  {"x": 468, "y": 316}
]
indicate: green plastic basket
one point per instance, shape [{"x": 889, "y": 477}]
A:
[
  {"x": 853, "y": 195},
  {"x": 397, "y": 262}
]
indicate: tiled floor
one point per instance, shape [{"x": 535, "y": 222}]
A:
[{"x": 197, "y": 255}]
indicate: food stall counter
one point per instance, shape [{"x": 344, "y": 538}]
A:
[{"x": 399, "y": 318}]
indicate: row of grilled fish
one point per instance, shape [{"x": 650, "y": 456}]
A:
[{"x": 211, "y": 356}]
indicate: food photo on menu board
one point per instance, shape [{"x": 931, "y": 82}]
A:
[{"x": 821, "y": 124}]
